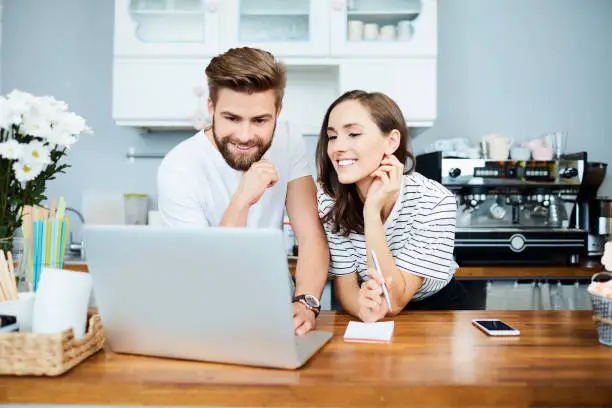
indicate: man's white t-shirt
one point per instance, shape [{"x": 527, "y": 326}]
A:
[{"x": 195, "y": 184}]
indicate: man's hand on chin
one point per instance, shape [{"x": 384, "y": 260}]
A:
[{"x": 303, "y": 318}]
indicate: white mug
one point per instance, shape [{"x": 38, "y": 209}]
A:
[
  {"x": 520, "y": 153},
  {"x": 61, "y": 301},
  {"x": 498, "y": 146},
  {"x": 387, "y": 32},
  {"x": 355, "y": 30},
  {"x": 370, "y": 31},
  {"x": 404, "y": 30}
]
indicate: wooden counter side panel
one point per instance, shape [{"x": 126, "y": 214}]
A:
[
  {"x": 482, "y": 271},
  {"x": 316, "y": 395}
]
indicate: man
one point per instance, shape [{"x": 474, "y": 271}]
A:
[{"x": 242, "y": 171}]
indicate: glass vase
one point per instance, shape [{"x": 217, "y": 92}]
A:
[{"x": 6, "y": 239}]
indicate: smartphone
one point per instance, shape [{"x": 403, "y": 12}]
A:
[
  {"x": 494, "y": 327},
  {"x": 8, "y": 323}
]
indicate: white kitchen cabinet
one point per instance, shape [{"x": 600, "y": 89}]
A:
[
  {"x": 324, "y": 29},
  {"x": 392, "y": 28},
  {"x": 169, "y": 28},
  {"x": 159, "y": 94},
  {"x": 283, "y": 27},
  {"x": 162, "y": 94},
  {"x": 308, "y": 93},
  {"x": 411, "y": 83},
  {"x": 162, "y": 48},
  {"x": 199, "y": 28}
]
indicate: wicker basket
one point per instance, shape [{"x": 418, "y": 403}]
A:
[
  {"x": 602, "y": 313},
  {"x": 48, "y": 354}
]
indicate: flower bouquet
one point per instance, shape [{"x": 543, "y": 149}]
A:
[{"x": 36, "y": 132}]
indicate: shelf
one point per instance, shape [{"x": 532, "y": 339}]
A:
[
  {"x": 380, "y": 41},
  {"x": 166, "y": 12},
  {"x": 274, "y": 13},
  {"x": 384, "y": 12}
]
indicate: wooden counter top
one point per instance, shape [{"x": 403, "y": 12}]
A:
[
  {"x": 579, "y": 271},
  {"x": 436, "y": 359}
]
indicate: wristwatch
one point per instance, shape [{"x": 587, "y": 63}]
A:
[{"x": 310, "y": 301}]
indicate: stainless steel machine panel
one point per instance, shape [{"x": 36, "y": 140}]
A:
[{"x": 513, "y": 212}]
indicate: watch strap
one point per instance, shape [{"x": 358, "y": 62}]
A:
[{"x": 302, "y": 299}]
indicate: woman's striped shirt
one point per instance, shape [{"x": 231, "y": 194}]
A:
[{"x": 420, "y": 233}]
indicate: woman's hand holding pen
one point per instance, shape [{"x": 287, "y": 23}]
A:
[
  {"x": 372, "y": 304},
  {"x": 386, "y": 184}
]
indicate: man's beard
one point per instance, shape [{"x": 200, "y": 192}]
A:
[{"x": 237, "y": 161}]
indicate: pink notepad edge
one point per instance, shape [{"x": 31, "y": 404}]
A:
[
  {"x": 373, "y": 340},
  {"x": 357, "y": 340}
]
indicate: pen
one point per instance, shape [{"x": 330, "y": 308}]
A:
[{"x": 382, "y": 280}]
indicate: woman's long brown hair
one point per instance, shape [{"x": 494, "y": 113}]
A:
[{"x": 346, "y": 214}]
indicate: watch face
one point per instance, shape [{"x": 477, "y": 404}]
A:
[{"x": 311, "y": 300}]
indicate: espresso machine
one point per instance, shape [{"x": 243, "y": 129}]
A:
[
  {"x": 512, "y": 212},
  {"x": 592, "y": 212},
  {"x": 600, "y": 225}
]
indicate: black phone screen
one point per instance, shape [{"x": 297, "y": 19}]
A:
[
  {"x": 495, "y": 325},
  {"x": 6, "y": 320}
]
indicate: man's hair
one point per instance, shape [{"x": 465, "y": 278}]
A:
[{"x": 247, "y": 70}]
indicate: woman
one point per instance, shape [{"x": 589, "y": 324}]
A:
[{"x": 369, "y": 202}]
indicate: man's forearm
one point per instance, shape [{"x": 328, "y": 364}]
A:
[
  {"x": 312, "y": 266},
  {"x": 350, "y": 304},
  {"x": 236, "y": 214}
]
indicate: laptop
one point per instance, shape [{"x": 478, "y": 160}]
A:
[{"x": 209, "y": 294}]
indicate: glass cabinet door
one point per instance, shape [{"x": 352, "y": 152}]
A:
[
  {"x": 384, "y": 27},
  {"x": 283, "y": 27},
  {"x": 166, "y": 27}
]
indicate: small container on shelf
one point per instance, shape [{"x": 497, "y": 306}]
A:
[
  {"x": 136, "y": 208},
  {"x": 290, "y": 241}
]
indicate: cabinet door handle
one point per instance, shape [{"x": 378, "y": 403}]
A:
[
  {"x": 338, "y": 5},
  {"x": 212, "y": 6}
]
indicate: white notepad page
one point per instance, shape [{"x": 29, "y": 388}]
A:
[{"x": 379, "y": 332}]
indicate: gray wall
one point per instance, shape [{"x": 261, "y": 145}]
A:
[
  {"x": 521, "y": 67},
  {"x": 64, "y": 48},
  {"x": 525, "y": 67}
]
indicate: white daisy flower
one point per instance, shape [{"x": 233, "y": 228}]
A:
[
  {"x": 9, "y": 114},
  {"x": 25, "y": 172},
  {"x": 72, "y": 123},
  {"x": 11, "y": 150},
  {"x": 52, "y": 105},
  {"x": 58, "y": 136},
  {"x": 35, "y": 125},
  {"x": 17, "y": 105},
  {"x": 35, "y": 153}
]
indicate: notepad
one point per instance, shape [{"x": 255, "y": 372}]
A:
[{"x": 379, "y": 332}]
